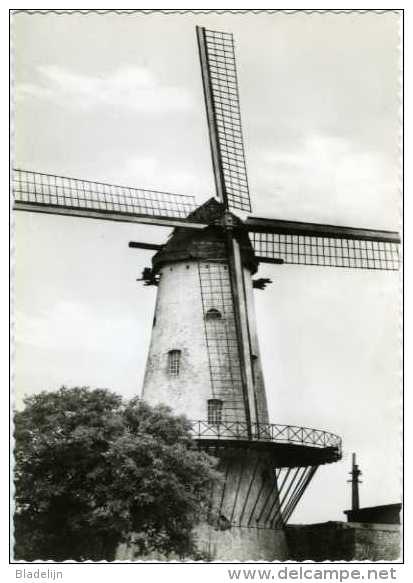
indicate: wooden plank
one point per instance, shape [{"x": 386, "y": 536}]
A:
[
  {"x": 106, "y": 215},
  {"x": 241, "y": 318},
  {"x": 264, "y": 225},
  {"x": 150, "y": 246},
  {"x": 263, "y": 259},
  {"x": 295, "y": 500}
]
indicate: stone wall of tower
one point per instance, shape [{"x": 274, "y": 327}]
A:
[
  {"x": 248, "y": 495},
  {"x": 243, "y": 521},
  {"x": 179, "y": 324},
  {"x": 242, "y": 544}
]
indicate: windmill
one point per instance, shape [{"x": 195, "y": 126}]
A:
[{"x": 204, "y": 357}]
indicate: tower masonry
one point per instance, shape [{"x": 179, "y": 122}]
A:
[
  {"x": 194, "y": 363},
  {"x": 195, "y": 367}
]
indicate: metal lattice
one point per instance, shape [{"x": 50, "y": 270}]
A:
[
  {"x": 221, "y": 340},
  {"x": 224, "y": 85},
  {"x": 327, "y": 251},
  {"x": 61, "y": 191},
  {"x": 273, "y": 432}
]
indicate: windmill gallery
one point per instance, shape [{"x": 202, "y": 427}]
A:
[{"x": 204, "y": 357}]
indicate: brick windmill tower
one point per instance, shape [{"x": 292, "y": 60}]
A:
[{"x": 204, "y": 359}]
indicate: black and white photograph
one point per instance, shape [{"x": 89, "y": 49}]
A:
[{"x": 206, "y": 239}]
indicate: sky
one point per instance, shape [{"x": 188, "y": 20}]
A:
[{"x": 119, "y": 99}]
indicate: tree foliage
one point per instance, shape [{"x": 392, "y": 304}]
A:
[{"x": 93, "y": 470}]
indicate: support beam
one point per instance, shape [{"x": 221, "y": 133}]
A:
[
  {"x": 241, "y": 319},
  {"x": 264, "y": 225},
  {"x": 262, "y": 259},
  {"x": 106, "y": 215},
  {"x": 150, "y": 246}
]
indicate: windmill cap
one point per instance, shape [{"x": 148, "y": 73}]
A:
[{"x": 209, "y": 244}]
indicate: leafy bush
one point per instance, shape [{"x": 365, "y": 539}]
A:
[{"x": 93, "y": 470}]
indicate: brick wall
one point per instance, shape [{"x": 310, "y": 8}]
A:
[
  {"x": 341, "y": 541},
  {"x": 242, "y": 544}
]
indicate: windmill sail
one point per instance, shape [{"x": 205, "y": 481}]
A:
[
  {"x": 301, "y": 243},
  {"x": 46, "y": 193},
  {"x": 219, "y": 76}
]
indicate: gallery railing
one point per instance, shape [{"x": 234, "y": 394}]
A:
[{"x": 273, "y": 432}]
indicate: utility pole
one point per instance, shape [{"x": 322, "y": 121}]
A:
[{"x": 355, "y": 473}]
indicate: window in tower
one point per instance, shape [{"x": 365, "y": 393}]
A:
[
  {"x": 213, "y": 314},
  {"x": 215, "y": 411},
  {"x": 174, "y": 362}
]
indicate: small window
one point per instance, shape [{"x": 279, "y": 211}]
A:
[
  {"x": 174, "y": 362},
  {"x": 213, "y": 314},
  {"x": 215, "y": 411}
]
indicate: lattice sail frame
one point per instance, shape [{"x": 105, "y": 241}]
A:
[
  {"x": 72, "y": 193},
  {"x": 327, "y": 251},
  {"x": 220, "y": 83},
  {"x": 280, "y": 241}
]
